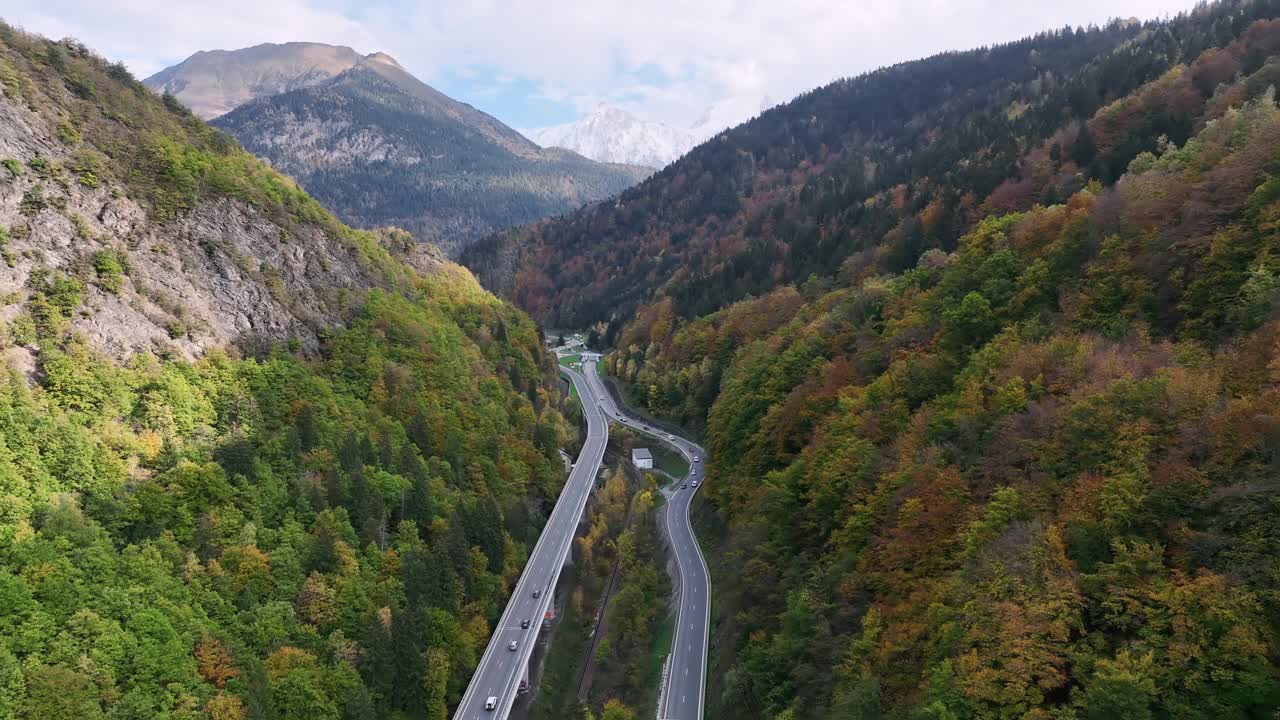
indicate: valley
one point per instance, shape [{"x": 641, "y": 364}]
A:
[
  {"x": 937, "y": 345},
  {"x": 949, "y": 390},
  {"x": 505, "y": 670}
]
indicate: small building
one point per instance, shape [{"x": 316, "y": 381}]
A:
[{"x": 642, "y": 458}]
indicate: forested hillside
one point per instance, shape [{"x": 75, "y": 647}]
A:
[
  {"x": 987, "y": 371},
  {"x": 252, "y": 465},
  {"x": 379, "y": 148},
  {"x": 865, "y": 174}
]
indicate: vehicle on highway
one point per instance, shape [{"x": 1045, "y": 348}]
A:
[
  {"x": 513, "y": 645},
  {"x": 695, "y": 483},
  {"x": 491, "y": 703},
  {"x": 646, "y": 427},
  {"x": 684, "y": 485},
  {"x": 537, "y": 593},
  {"x": 671, "y": 437},
  {"x": 524, "y": 624},
  {"x": 697, "y": 459}
]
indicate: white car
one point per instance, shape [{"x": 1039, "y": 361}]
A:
[
  {"x": 491, "y": 703},
  {"x": 695, "y": 483},
  {"x": 697, "y": 459},
  {"x": 513, "y": 645},
  {"x": 671, "y": 437}
]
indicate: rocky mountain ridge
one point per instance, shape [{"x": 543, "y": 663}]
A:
[
  {"x": 215, "y": 82},
  {"x": 380, "y": 148},
  {"x": 225, "y": 273}
]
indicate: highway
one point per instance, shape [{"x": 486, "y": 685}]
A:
[
  {"x": 686, "y": 685},
  {"x": 502, "y": 668}
]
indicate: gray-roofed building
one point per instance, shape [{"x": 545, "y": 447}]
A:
[{"x": 642, "y": 458}]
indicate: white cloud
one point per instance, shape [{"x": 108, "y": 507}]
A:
[
  {"x": 151, "y": 34},
  {"x": 663, "y": 59}
]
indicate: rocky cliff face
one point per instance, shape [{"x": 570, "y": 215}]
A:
[
  {"x": 343, "y": 402},
  {"x": 224, "y": 273}
]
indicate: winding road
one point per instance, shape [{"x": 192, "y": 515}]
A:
[
  {"x": 683, "y": 696},
  {"x": 504, "y": 666}
]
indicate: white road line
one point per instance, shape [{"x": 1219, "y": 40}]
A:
[{"x": 571, "y": 502}]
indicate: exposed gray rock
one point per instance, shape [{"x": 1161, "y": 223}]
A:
[{"x": 222, "y": 274}]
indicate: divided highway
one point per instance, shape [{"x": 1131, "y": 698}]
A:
[
  {"x": 686, "y": 683},
  {"x": 505, "y": 662},
  {"x": 503, "y": 666}
]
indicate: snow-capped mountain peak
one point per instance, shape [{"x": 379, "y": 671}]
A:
[{"x": 611, "y": 134}]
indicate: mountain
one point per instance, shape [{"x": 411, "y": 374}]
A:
[
  {"x": 253, "y": 462},
  {"x": 216, "y": 82},
  {"x": 982, "y": 348},
  {"x": 610, "y": 134},
  {"x": 838, "y": 176},
  {"x": 379, "y": 147}
]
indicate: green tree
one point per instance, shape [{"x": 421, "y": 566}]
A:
[
  {"x": 59, "y": 693},
  {"x": 1122, "y": 688}
]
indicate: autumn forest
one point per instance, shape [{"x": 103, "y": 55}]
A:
[{"x": 984, "y": 352}]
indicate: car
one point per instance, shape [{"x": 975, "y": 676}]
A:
[
  {"x": 671, "y": 437},
  {"x": 695, "y": 483},
  {"x": 513, "y": 645},
  {"x": 646, "y": 427},
  {"x": 697, "y": 459},
  {"x": 524, "y": 624},
  {"x": 491, "y": 703},
  {"x": 537, "y": 593},
  {"x": 684, "y": 485}
]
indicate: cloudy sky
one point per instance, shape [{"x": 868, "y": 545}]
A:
[{"x": 540, "y": 62}]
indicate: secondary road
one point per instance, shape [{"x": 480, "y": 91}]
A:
[
  {"x": 502, "y": 667},
  {"x": 687, "y": 663}
]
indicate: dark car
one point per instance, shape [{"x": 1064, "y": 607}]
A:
[
  {"x": 524, "y": 624},
  {"x": 537, "y": 593},
  {"x": 684, "y": 485}
]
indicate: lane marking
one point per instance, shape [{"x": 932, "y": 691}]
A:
[{"x": 566, "y": 500}]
